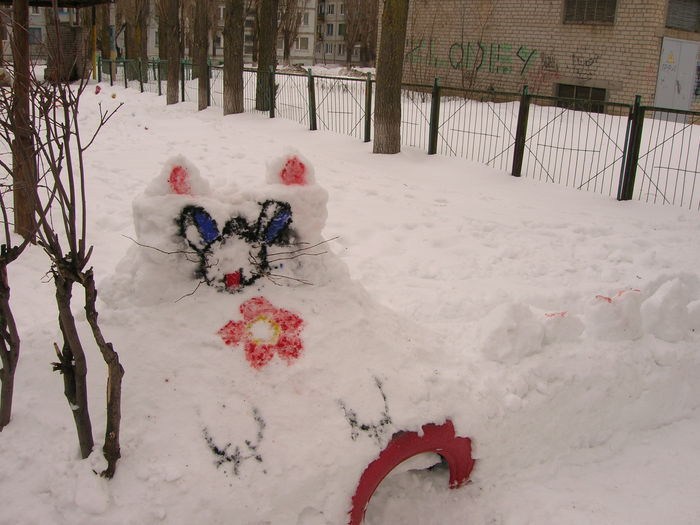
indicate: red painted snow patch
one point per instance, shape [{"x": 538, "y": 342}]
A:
[
  {"x": 233, "y": 280},
  {"x": 265, "y": 331},
  {"x": 617, "y": 295},
  {"x": 180, "y": 181},
  {"x": 97, "y": 90},
  {"x": 556, "y": 314},
  {"x": 294, "y": 172},
  {"x": 441, "y": 439}
]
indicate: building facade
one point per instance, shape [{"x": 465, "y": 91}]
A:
[{"x": 593, "y": 49}]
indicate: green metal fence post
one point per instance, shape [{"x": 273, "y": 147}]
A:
[
  {"x": 625, "y": 190},
  {"x": 368, "y": 108},
  {"x": 313, "y": 124},
  {"x": 273, "y": 94},
  {"x": 160, "y": 89},
  {"x": 111, "y": 73},
  {"x": 126, "y": 82},
  {"x": 99, "y": 69},
  {"x": 434, "y": 118},
  {"x": 182, "y": 80},
  {"x": 521, "y": 134},
  {"x": 140, "y": 63}
]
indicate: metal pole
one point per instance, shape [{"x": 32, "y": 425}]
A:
[
  {"x": 520, "y": 134},
  {"x": 368, "y": 108},
  {"x": 434, "y": 118},
  {"x": 313, "y": 124}
]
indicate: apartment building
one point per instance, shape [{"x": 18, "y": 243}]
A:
[
  {"x": 592, "y": 49},
  {"x": 330, "y": 45}
]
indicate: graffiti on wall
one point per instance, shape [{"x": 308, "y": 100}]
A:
[
  {"x": 502, "y": 59},
  {"x": 584, "y": 64}
]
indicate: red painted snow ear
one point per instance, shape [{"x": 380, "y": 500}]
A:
[
  {"x": 293, "y": 172},
  {"x": 179, "y": 181},
  {"x": 441, "y": 439}
]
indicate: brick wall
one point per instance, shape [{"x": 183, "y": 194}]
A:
[{"x": 505, "y": 44}]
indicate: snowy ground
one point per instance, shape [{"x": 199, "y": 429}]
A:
[{"x": 582, "y": 409}]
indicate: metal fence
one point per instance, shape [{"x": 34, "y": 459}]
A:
[{"x": 628, "y": 151}]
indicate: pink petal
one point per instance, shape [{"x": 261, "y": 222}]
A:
[
  {"x": 289, "y": 347},
  {"x": 233, "y": 332},
  {"x": 258, "y": 355},
  {"x": 255, "y": 307}
]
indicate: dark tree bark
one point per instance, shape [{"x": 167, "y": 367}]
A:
[
  {"x": 115, "y": 372},
  {"x": 23, "y": 156},
  {"x": 170, "y": 11},
  {"x": 267, "y": 52},
  {"x": 9, "y": 348},
  {"x": 200, "y": 54},
  {"x": 233, "y": 56},
  {"x": 72, "y": 363},
  {"x": 387, "y": 115}
]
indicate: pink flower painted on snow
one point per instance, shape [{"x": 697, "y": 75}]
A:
[{"x": 265, "y": 331}]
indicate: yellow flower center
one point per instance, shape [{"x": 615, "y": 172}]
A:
[{"x": 263, "y": 330}]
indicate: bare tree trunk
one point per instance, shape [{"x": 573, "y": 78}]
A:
[
  {"x": 267, "y": 53},
  {"x": 233, "y": 56},
  {"x": 387, "y": 115},
  {"x": 115, "y": 372},
  {"x": 72, "y": 365},
  {"x": 23, "y": 156},
  {"x": 171, "y": 11},
  {"x": 143, "y": 25},
  {"x": 200, "y": 54},
  {"x": 9, "y": 349}
]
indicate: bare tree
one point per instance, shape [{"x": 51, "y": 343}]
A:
[
  {"x": 360, "y": 28},
  {"x": 368, "y": 50},
  {"x": 267, "y": 52},
  {"x": 387, "y": 115},
  {"x": 23, "y": 155},
  {"x": 134, "y": 14},
  {"x": 290, "y": 14},
  {"x": 233, "y": 56},
  {"x": 169, "y": 15},
  {"x": 200, "y": 54}
]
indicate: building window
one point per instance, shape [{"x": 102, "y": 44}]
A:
[
  {"x": 342, "y": 8},
  {"x": 247, "y": 37},
  {"x": 321, "y": 8},
  {"x": 331, "y": 9},
  {"x": 341, "y": 29},
  {"x": 249, "y": 22},
  {"x": 34, "y": 36},
  {"x": 684, "y": 15},
  {"x": 302, "y": 43},
  {"x": 329, "y": 49},
  {"x": 248, "y": 50},
  {"x": 585, "y": 98},
  {"x": 222, "y": 12},
  {"x": 329, "y": 29},
  {"x": 341, "y": 50},
  {"x": 35, "y": 10},
  {"x": 589, "y": 11},
  {"x": 306, "y": 19}
]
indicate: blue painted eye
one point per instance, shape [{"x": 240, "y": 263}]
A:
[
  {"x": 206, "y": 226},
  {"x": 277, "y": 224}
]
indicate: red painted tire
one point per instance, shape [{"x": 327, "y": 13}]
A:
[{"x": 441, "y": 439}]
